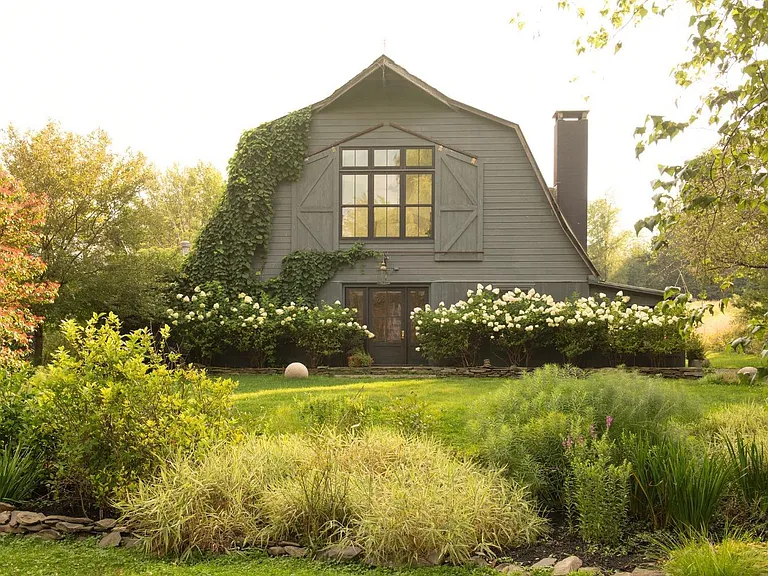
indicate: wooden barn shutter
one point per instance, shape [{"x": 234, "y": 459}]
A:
[
  {"x": 315, "y": 201},
  {"x": 458, "y": 207}
]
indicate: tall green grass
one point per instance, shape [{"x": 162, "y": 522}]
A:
[
  {"x": 522, "y": 426},
  {"x": 400, "y": 498},
  {"x": 750, "y": 464},
  {"x": 20, "y": 473},
  {"x": 676, "y": 482},
  {"x": 731, "y": 557}
]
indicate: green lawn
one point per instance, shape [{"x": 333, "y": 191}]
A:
[
  {"x": 272, "y": 403},
  {"x": 730, "y": 359},
  {"x": 26, "y": 556}
]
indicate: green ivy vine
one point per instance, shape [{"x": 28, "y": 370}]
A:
[
  {"x": 239, "y": 230},
  {"x": 305, "y": 272}
]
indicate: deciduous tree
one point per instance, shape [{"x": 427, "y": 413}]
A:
[{"x": 21, "y": 217}]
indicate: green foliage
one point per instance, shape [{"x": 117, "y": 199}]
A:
[
  {"x": 20, "y": 473},
  {"x": 134, "y": 287},
  {"x": 409, "y": 415},
  {"x": 182, "y": 202},
  {"x": 16, "y": 406},
  {"x": 597, "y": 490},
  {"x": 239, "y": 230},
  {"x": 74, "y": 557},
  {"x": 607, "y": 246},
  {"x": 676, "y": 481},
  {"x": 518, "y": 323},
  {"x": 387, "y": 493},
  {"x": 94, "y": 204},
  {"x": 305, "y": 272},
  {"x": 359, "y": 359},
  {"x": 209, "y": 323},
  {"x": 750, "y": 463},
  {"x": 733, "y": 556},
  {"x": 113, "y": 409},
  {"x": 522, "y": 426},
  {"x": 340, "y": 414}
]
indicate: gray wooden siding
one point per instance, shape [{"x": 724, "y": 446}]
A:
[{"x": 523, "y": 244}]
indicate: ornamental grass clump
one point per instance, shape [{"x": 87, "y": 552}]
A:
[
  {"x": 401, "y": 499},
  {"x": 733, "y": 556}
]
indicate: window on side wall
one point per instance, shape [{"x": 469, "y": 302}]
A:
[{"x": 387, "y": 193}]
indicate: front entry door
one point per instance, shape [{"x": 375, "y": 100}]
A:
[
  {"x": 387, "y": 311},
  {"x": 387, "y": 322}
]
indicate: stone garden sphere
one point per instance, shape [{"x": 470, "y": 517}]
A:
[{"x": 296, "y": 370}]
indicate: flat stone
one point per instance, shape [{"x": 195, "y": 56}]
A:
[
  {"x": 566, "y": 566},
  {"x": 28, "y": 518},
  {"x": 276, "y": 551},
  {"x": 545, "y": 562},
  {"x": 295, "y": 551},
  {"x": 111, "y": 540},
  {"x": 621, "y": 574},
  {"x": 106, "y": 523},
  {"x": 33, "y": 527},
  {"x": 646, "y": 572},
  {"x": 6, "y": 507},
  {"x": 130, "y": 541},
  {"x": 5, "y": 517},
  {"x": 71, "y": 527},
  {"x": 8, "y": 529},
  {"x": 71, "y": 519},
  {"x": 49, "y": 534},
  {"x": 342, "y": 553}
]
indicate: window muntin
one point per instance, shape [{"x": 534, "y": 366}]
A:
[{"x": 387, "y": 193}]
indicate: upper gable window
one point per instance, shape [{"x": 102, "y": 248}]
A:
[{"x": 387, "y": 193}]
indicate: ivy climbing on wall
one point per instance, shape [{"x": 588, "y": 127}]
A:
[
  {"x": 239, "y": 230},
  {"x": 305, "y": 272}
]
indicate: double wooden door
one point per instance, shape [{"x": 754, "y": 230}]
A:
[{"x": 387, "y": 310}]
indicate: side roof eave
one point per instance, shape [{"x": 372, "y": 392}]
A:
[{"x": 385, "y": 62}]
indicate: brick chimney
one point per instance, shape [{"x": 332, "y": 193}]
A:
[{"x": 571, "y": 169}]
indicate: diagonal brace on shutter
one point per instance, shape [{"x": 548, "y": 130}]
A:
[{"x": 462, "y": 183}]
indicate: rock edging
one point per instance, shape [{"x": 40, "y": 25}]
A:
[{"x": 58, "y": 527}]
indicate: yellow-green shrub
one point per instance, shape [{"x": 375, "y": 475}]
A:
[
  {"x": 112, "y": 409},
  {"x": 399, "y": 498}
]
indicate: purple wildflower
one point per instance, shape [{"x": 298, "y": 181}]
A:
[
  {"x": 608, "y": 422},
  {"x": 592, "y": 431}
]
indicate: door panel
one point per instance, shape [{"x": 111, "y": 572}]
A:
[
  {"x": 416, "y": 298},
  {"x": 386, "y": 309}
]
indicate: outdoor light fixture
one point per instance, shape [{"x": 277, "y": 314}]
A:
[{"x": 383, "y": 270}]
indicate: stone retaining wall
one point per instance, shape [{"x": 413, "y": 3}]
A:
[
  {"x": 56, "y": 527},
  {"x": 447, "y": 371}
]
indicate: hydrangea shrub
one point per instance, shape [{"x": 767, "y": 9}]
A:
[
  {"x": 517, "y": 323},
  {"x": 208, "y": 323}
]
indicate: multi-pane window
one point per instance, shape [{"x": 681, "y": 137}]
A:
[{"x": 387, "y": 192}]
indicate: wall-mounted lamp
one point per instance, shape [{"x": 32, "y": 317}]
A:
[{"x": 383, "y": 270}]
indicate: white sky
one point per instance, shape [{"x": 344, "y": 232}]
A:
[{"x": 179, "y": 81}]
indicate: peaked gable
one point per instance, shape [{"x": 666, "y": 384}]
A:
[{"x": 384, "y": 65}]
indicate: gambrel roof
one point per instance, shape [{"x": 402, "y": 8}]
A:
[{"x": 383, "y": 64}]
